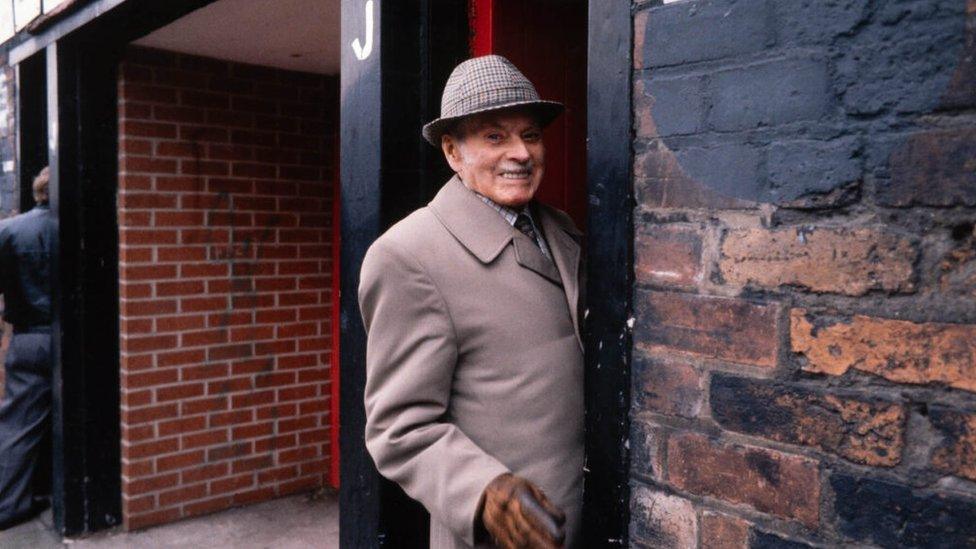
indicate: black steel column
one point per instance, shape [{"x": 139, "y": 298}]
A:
[
  {"x": 360, "y": 177},
  {"x": 82, "y": 125},
  {"x": 610, "y": 256},
  {"x": 386, "y": 171}
]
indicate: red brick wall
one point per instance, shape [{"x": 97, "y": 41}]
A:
[
  {"x": 804, "y": 361},
  {"x": 225, "y": 188}
]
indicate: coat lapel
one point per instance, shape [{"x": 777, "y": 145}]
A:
[
  {"x": 562, "y": 237},
  {"x": 528, "y": 255},
  {"x": 485, "y": 234},
  {"x": 476, "y": 226}
]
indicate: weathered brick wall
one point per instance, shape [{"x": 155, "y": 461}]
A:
[
  {"x": 805, "y": 336},
  {"x": 225, "y": 228},
  {"x": 9, "y": 191}
]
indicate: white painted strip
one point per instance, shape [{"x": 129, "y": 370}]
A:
[
  {"x": 6, "y": 20},
  {"x": 25, "y": 11}
]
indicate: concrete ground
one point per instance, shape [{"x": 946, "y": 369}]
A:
[{"x": 293, "y": 522}]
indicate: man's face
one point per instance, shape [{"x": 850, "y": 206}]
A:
[{"x": 499, "y": 155}]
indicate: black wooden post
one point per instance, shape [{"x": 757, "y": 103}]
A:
[
  {"x": 359, "y": 173},
  {"x": 83, "y": 134},
  {"x": 610, "y": 256},
  {"x": 386, "y": 171}
]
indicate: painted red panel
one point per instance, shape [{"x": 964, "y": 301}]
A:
[
  {"x": 480, "y": 23},
  {"x": 336, "y": 287},
  {"x": 546, "y": 39}
]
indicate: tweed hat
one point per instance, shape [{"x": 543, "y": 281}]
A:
[{"x": 482, "y": 84}]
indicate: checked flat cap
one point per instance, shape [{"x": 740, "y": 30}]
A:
[{"x": 482, "y": 84}]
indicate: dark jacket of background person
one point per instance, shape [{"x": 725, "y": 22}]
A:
[
  {"x": 25, "y": 267},
  {"x": 26, "y": 249}
]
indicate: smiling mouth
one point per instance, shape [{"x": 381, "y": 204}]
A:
[{"x": 516, "y": 175}]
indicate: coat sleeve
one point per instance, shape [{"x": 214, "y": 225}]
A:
[{"x": 411, "y": 353}]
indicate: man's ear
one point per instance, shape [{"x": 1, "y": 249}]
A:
[{"x": 452, "y": 152}]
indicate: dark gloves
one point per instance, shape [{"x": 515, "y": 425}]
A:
[{"x": 517, "y": 514}]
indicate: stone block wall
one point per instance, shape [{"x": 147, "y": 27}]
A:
[
  {"x": 225, "y": 228},
  {"x": 805, "y": 257},
  {"x": 9, "y": 190}
]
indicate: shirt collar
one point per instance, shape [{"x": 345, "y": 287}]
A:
[{"x": 507, "y": 213}]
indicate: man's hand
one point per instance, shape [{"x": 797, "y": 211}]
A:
[{"x": 517, "y": 514}]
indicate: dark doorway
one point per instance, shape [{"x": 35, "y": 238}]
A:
[
  {"x": 32, "y": 155},
  {"x": 576, "y": 52}
]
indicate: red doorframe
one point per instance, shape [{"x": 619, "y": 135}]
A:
[
  {"x": 553, "y": 57},
  {"x": 334, "y": 361}
]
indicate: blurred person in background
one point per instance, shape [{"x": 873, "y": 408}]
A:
[{"x": 26, "y": 248}]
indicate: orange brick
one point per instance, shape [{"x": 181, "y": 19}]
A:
[
  {"x": 150, "y": 378},
  {"x": 252, "y": 431},
  {"x": 179, "y": 358},
  {"x": 845, "y": 261},
  {"x": 180, "y": 461},
  {"x": 729, "y": 329},
  {"x": 741, "y": 475},
  {"x": 207, "y": 506},
  {"x": 278, "y": 474},
  {"x": 305, "y": 484},
  {"x": 151, "y": 448},
  {"x": 897, "y": 350},
  {"x": 149, "y": 413},
  {"x": 209, "y": 438},
  {"x": 134, "y": 506},
  {"x": 203, "y": 337},
  {"x": 180, "y": 323},
  {"x": 182, "y": 425},
  {"x": 182, "y": 494},
  {"x": 150, "y": 484},
  {"x": 234, "y": 417},
  {"x": 140, "y": 521},
  {"x": 205, "y": 371},
  {"x": 179, "y": 392},
  {"x": 134, "y": 469},
  {"x": 254, "y": 496},
  {"x": 203, "y": 405},
  {"x": 148, "y": 343},
  {"x": 207, "y": 472}
]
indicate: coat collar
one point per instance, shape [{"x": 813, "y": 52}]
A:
[
  {"x": 485, "y": 234},
  {"x": 476, "y": 226}
]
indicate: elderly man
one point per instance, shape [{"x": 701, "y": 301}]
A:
[
  {"x": 474, "y": 392},
  {"x": 25, "y": 252}
]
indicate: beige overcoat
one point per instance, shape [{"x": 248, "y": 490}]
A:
[{"x": 474, "y": 362}]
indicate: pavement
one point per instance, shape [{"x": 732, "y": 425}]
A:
[{"x": 296, "y": 522}]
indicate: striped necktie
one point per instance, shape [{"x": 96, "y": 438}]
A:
[{"x": 524, "y": 224}]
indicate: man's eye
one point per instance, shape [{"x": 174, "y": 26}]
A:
[
  {"x": 494, "y": 137},
  {"x": 532, "y": 136}
]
